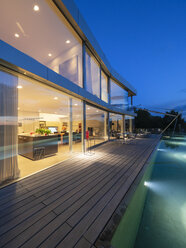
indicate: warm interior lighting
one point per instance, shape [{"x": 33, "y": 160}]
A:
[
  {"x": 50, "y": 55},
  {"x": 97, "y": 111},
  {"x": 55, "y": 98},
  {"x": 68, "y": 41},
  {"x": 19, "y": 86},
  {"x": 16, "y": 35},
  {"x": 75, "y": 104},
  {"x": 88, "y": 108},
  {"x": 36, "y": 7}
]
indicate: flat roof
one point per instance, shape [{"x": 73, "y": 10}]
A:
[{"x": 72, "y": 13}]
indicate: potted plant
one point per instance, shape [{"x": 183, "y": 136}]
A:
[{"x": 43, "y": 131}]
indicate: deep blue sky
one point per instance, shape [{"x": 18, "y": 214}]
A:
[{"x": 145, "y": 41}]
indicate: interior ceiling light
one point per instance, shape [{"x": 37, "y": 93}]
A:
[
  {"x": 75, "y": 104},
  {"x": 36, "y": 8},
  {"x": 19, "y": 86},
  {"x": 68, "y": 41},
  {"x": 55, "y": 98},
  {"x": 88, "y": 108},
  {"x": 50, "y": 55},
  {"x": 16, "y": 35}
]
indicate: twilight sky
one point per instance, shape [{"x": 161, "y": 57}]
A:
[{"x": 145, "y": 41}]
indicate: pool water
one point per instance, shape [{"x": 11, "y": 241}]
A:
[{"x": 163, "y": 222}]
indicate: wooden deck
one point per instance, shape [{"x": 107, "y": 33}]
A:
[{"x": 68, "y": 205}]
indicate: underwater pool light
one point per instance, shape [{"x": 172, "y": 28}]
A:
[
  {"x": 161, "y": 150},
  {"x": 145, "y": 183}
]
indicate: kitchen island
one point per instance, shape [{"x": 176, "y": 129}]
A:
[{"x": 36, "y": 147}]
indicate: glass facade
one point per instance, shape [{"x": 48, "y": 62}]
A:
[
  {"x": 104, "y": 87},
  {"x": 129, "y": 123},
  {"x": 92, "y": 74},
  {"x": 118, "y": 96},
  {"x": 96, "y": 125},
  {"x": 77, "y": 125},
  {"x": 39, "y": 125},
  {"x": 116, "y": 125},
  {"x": 44, "y": 35}
]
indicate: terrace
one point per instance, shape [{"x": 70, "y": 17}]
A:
[{"x": 69, "y": 205}]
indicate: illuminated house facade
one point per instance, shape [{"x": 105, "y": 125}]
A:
[{"x": 56, "y": 87}]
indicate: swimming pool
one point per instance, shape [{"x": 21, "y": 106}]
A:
[{"x": 162, "y": 215}]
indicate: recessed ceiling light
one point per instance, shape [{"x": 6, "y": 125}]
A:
[
  {"x": 19, "y": 86},
  {"x": 55, "y": 98},
  {"x": 68, "y": 41},
  {"x": 36, "y": 7},
  {"x": 50, "y": 55},
  {"x": 75, "y": 104},
  {"x": 88, "y": 108},
  {"x": 18, "y": 108},
  {"x": 16, "y": 35}
]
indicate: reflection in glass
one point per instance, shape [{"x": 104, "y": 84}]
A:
[
  {"x": 104, "y": 87},
  {"x": 8, "y": 126},
  {"x": 119, "y": 96},
  {"x": 129, "y": 123},
  {"x": 116, "y": 125},
  {"x": 77, "y": 117},
  {"x": 96, "y": 125},
  {"x": 44, "y": 35},
  {"x": 92, "y": 74}
]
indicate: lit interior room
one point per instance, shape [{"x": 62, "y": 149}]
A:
[
  {"x": 47, "y": 121},
  {"x": 44, "y": 34}
]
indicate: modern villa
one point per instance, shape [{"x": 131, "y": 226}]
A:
[
  {"x": 58, "y": 92},
  {"x": 76, "y": 170}
]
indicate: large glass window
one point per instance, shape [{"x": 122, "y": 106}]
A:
[
  {"x": 104, "y": 87},
  {"x": 119, "y": 96},
  {"x": 116, "y": 125},
  {"x": 96, "y": 125},
  {"x": 77, "y": 128},
  {"x": 44, "y": 34},
  {"x": 92, "y": 74},
  {"x": 39, "y": 125},
  {"x": 129, "y": 123}
]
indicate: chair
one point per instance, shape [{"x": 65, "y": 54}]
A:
[{"x": 39, "y": 153}]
